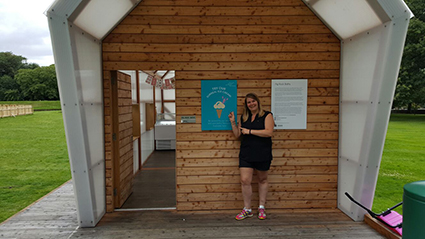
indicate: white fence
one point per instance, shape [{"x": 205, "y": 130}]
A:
[{"x": 15, "y": 110}]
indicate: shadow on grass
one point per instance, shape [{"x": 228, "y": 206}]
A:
[{"x": 408, "y": 117}]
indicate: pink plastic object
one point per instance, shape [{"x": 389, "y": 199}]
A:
[{"x": 393, "y": 219}]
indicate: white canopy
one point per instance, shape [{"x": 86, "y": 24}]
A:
[{"x": 372, "y": 34}]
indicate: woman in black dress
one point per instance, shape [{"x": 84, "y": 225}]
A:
[{"x": 255, "y": 130}]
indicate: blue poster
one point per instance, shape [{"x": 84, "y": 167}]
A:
[{"x": 219, "y": 98}]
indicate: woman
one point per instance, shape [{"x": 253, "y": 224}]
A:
[{"x": 255, "y": 129}]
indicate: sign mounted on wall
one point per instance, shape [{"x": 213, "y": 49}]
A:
[
  {"x": 289, "y": 103},
  {"x": 219, "y": 98}
]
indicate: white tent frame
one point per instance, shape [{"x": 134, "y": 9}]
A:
[{"x": 370, "y": 60}]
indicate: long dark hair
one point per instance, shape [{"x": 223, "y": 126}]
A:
[{"x": 245, "y": 112}]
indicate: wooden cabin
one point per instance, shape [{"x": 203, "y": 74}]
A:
[{"x": 252, "y": 42}]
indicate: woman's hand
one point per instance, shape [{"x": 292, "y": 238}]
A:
[
  {"x": 232, "y": 117},
  {"x": 245, "y": 131},
  {"x": 235, "y": 128},
  {"x": 268, "y": 128}
]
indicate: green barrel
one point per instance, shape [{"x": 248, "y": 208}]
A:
[{"x": 414, "y": 210}]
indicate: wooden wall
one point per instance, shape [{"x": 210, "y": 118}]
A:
[
  {"x": 252, "y": 41},
  {"x": 118, "y": 148}
]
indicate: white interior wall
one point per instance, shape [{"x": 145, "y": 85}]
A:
[
  {"x": 158, "y": 105},
  {"x": 170, "y": 94},
  {"x": 148, "y": 144},
  {"x": 147, "y": 136},
  {"x": 136, "y": 156}
]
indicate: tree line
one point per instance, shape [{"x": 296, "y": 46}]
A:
[
  {"x": 26, "y": 81},
  {"x": 22, "y": 81},
  {"x": 410, "y": 91}
]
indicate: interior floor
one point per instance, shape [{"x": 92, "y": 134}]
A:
[{"x": 155, "y": 185}]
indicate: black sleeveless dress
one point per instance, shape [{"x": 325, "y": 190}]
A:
[{"x": 255, "y": 148}]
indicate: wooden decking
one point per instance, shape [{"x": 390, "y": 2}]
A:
[
  {"x": 162, "y": 224},
  {"x": 54, "y": 216}
]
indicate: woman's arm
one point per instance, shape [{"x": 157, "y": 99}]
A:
[
  {"x": 266, "y": 132},
  {"x": 236, "y": 129}
]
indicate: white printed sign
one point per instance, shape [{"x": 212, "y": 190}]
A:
[{"x": 289, "y": 103}]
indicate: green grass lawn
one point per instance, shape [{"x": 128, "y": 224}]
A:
[
  {"x": 403, "y": 160},
  {"x": 33, "y": 159},
  {"x": 36, "y": 105}
]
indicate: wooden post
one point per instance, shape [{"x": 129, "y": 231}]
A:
[{"x": 138, "y": 103}]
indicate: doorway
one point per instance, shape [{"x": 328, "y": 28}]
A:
[{"x": 154, "y": 181}]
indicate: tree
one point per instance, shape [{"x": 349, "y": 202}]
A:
[
  {"x": 410, "y": 91},
  {"x": 38, "y": 84},
  {"x": 10, "y": 63},
  {"x": 9, "y": 66},
  {"x": 9, "y": 89},
  {"x": 20, "y": 80},
  {"x": 30, "y": 66}
]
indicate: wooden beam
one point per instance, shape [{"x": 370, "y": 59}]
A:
[{"x": 381, "y": 228}]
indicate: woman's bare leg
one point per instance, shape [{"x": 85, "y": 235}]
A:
[
  {"x": 246, "y": 179},
  {"x": 263, "y": 186}
]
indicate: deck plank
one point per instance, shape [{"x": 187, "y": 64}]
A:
[
  {"x": 168, "y": 224},
  {"x": 54, "y": 216}
]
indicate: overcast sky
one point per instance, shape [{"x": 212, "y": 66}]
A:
[{"x": 24, "y": 30}]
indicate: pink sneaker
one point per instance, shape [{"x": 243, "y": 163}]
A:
[
  {"x": 261, "y": 213},
  {"x": 244, "y": 214}
]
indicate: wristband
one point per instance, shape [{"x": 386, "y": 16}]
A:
[{"x": 249, "y": 131}]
